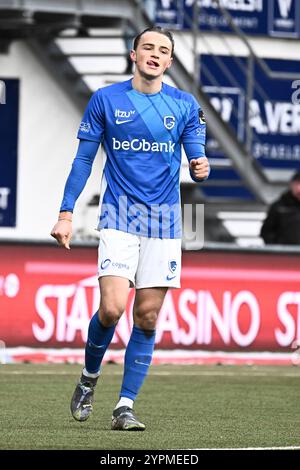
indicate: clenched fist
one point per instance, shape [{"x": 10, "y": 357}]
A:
[{"x": 199, "y": 167}]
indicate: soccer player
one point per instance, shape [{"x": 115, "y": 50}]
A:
[{"x": 142, "y": 124}]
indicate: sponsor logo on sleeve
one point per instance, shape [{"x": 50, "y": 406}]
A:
[
  {"x": 201, "y": 116},
  {"x": 85, "y": 126}
]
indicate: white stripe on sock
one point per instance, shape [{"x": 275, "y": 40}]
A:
[
  {"x": 92, "y": 376},
  {"x": 124, "y": 401}
]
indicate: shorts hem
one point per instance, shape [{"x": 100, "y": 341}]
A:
[
  {"x": 131, "y": 282},
  {"x": 151, "y": 284}
]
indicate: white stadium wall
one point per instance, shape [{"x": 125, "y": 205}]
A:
[{"x": 48, "y": 123}]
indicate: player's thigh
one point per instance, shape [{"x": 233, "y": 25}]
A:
[
  {"x": 159, "y": 263},
  {"x": 117, "y": 263},
  {"x": 113, "y": 297},
  {"x": 118, "y": 254}
]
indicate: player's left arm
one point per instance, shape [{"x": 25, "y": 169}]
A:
[
  {"x": 193, "y": 139},
  {"x": 199, "y": 167}
]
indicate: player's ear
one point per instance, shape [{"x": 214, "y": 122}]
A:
[
  {"x": 133, "y": 55},
  {"x": 170, "y": 63}
]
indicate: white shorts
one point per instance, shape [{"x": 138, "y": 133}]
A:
[{"x": 146, "y": 262}]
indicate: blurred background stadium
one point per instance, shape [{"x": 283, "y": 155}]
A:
[{"x": 240, "y": 300}]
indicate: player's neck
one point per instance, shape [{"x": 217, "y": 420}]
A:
[{"x": 143, "y": 85}]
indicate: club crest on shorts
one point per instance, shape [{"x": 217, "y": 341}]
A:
[
  {"x": 172, "y": 266},
  {"x": 169, "y": 122}
]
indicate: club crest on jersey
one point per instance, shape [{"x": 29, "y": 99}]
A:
[
  {"x": 169, "y": 122},
  {"x": 172, "y": 266}
]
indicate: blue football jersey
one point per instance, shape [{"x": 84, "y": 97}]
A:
[{"x": 142, "y": 136}]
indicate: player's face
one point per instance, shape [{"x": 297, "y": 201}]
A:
[
  {"x": 295, "y": 188},
  {"x": 153, "y": 55}
]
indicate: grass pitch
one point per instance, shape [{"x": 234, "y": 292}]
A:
[{"x": 183, "y": 407}]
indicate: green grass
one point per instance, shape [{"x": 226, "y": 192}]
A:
[{"x": 184, "y": 407}]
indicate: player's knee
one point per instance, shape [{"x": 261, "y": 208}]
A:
[
  {"x": 146, "y": 319},
  {"x": 109, "y": 314}
]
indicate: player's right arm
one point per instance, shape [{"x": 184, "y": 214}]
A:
[
  {"x": 80, "y": 172},
  {"x": 90, "y": 134}
]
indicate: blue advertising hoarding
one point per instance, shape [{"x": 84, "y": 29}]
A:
[
  {"x": 274, "y": 118},
  {"x": 249, "y": 16},
  {"x": 277, "y": 18},
  {"x": 170, "y": 13},
  {"x": 283, "y": 18},
  {"x": 9, "y": 114}
]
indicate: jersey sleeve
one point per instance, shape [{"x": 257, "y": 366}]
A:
[
  {"x": 80, "y": 172},
  {"x": 92, "y": 124},
  {"x": 193, "y": 136}
]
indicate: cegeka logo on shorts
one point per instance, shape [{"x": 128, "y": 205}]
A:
[{"x": 105, "y": 263}]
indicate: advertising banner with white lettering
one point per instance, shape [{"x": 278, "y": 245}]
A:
[
  {"x": 9, "y": 106},
  {"x": 275, "y": 118},
  {"x": 274, "y": 108},
  {"x": 169, "y": 13},
  {"x": 227, "y": 301},
  {"x": 284, "y": 18},
  {"x": 278, "y": 18}
]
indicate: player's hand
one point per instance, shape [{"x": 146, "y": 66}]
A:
[
  {"x": 62, "y": 232},
  {"x": 199, "y": 167}
]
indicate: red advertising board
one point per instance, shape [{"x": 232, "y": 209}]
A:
[{"x": 228, "y": 301}]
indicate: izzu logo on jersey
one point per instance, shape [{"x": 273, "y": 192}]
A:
[
  {"x": 85, "y": 126},
  {"x": 169, "y": 122},
  {"x": 124, "y": 116}
]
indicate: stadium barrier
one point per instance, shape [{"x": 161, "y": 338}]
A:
[{"x": 230, "y": 300}]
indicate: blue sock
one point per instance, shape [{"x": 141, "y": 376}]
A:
[
  {"x": 99, "y": 338},
  {"x": 138, "y": 358}
]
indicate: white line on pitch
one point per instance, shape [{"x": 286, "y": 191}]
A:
[
  {"x": 160, "y": 373},
  {"x": 249, "y": 448}
]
